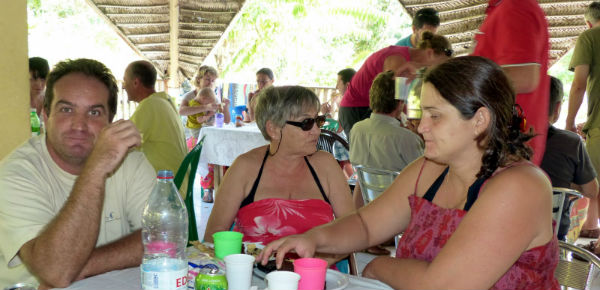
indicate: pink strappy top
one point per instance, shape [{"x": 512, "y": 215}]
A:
[{"x": 431, "y": 226}]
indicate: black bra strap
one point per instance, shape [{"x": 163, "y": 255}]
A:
[
  {"x": 250, "y": 198},
  {"x": 314, "y": 174},
  {"x": 433, "y": 189},
  {"x": 473, "y": 193}
]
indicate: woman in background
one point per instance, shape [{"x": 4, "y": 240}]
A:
[{"x": 474, "y": 212}]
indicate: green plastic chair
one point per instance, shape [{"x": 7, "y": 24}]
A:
[
  {"x": 331, "y": 125},
  {"x": 190, "y": 162}
]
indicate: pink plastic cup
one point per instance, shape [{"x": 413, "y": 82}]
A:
[{"x": 312, "y": 273}]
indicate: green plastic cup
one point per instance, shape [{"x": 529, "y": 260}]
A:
[{"x": 227, "y": 243}]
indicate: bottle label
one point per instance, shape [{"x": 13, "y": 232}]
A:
[{"x": 164, "y": 274}]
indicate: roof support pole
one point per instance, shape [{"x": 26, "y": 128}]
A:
[{"x": 174, "y": 44}]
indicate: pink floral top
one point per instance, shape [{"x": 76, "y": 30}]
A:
[
  {"x": 432, "y": 226},
  {"x": 270, "y": 219}
]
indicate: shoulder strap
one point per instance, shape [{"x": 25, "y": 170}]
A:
[
  {"x": 419, "y": 176},
  {"x": 430, "y": 194},
  {"x": 473, "y": 193},
  {"x": 314, "y": 174},
  {"x": 250, "y": 198}
]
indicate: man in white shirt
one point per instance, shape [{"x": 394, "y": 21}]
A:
[{"x": 71, "y": 200}]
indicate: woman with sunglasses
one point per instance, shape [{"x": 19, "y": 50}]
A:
[
  {"x": 286, "y": 187},
  {"x": 474, "y": 212}
]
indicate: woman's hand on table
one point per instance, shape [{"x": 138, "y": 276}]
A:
[{"x": 301, "y": 244}]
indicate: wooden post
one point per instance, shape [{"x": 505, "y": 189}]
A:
[{"x": 173, "y": 76}]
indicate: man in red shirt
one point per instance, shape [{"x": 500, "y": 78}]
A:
[{"x": 515, "y": 36}]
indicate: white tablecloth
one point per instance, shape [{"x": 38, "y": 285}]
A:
[
  {"x": 223, "y": 145},
  {"x": 129, "y": 279}
]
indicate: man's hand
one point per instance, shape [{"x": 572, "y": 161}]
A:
[
  {"x": 112, "y": 145},
  {"x": 580, "y": 130}
]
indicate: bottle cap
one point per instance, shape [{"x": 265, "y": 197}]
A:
[{"x": 165, "y": 174}]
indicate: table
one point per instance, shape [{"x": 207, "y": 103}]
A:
[
  {"x": 129, "y": 279},
  {"x": 223, "y": 145}
]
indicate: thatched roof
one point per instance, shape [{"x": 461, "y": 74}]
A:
[
  {"x": 186, "y": 36},
  {"x": 461, "y": 19},
  {"x": 181, "y": 40}
]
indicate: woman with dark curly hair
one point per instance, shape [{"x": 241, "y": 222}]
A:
[{"x": 474, "y": 211}]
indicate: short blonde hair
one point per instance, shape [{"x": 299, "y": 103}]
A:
[{"x": 279, "y": 104}]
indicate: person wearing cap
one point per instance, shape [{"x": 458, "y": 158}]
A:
[{"x": 425, "y": 19}]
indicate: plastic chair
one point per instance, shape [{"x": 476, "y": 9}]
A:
[
  {"x": 327, "y": 138},
  {"x": 331, "y": 125},
  {"x": 190, "y": 162},
  {"x": 576, "y": 273},
  {"x": 373, "y": 181},
  {"x": 562, "y": 200}
]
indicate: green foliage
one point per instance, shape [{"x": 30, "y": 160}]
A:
[
  {"x": 307, "y": 42},
  {"x": 61, "y": 29}
]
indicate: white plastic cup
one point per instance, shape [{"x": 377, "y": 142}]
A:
[
  {"x": 282, "y": 280},
  {"x": 219, "y": 119},
  {"x": 402, "y": 89},
  {"x": 239, "y": 271}
]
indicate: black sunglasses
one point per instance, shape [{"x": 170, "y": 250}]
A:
[{"x": 308, "y": 123}]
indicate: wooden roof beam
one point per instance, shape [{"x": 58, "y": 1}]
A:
[
  {"x": 130, "y": 6},
  {"x": 118, "y": 31}
]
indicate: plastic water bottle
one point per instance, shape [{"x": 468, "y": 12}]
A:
[
  {"x": 35, "y": 122},
  {"x": 164, "y": 235}
]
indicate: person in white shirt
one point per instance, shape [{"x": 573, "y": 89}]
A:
[{"x": 71, "y": 199}]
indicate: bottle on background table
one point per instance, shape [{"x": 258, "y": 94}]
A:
[{"x": 35, "y": 123}]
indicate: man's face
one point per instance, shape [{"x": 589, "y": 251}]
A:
[
  {"x": 128, "y": 85},
  {"x": 263, "y": 81},
  {"x": 78, "y": 112},
  {"x": 418, "y": 32}
]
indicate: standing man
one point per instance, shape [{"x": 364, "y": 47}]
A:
[
  {"x": 514, "y": 34},
  {"x": 425, "y": 19},
  {"x": 38, "y": 71},
  {"x": 71, "y": 200},
  {"x": 586, "y": 64},
  {"x": 163, "y": 140}
]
